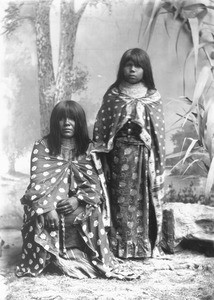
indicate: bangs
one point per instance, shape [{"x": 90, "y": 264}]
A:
[
  {"x": 66, "y": 112},
  {"x": 134, "y": 57},
  {"x": 140, "y": 59},
  {"x": 74, "y": 111}
]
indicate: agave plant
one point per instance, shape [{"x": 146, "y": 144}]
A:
[
  {"x": 193, "y": 19},
  {"x": 201, "y": 114}
]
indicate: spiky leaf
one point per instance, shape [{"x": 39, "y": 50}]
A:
[{"x": 209, "y": 127}]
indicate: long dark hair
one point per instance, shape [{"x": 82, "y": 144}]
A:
[
  {"x": 73, "y": 110},
  {"x": 140, "y": 58}
]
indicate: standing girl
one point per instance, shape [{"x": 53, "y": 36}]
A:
[{"x": 129, "y": 135}]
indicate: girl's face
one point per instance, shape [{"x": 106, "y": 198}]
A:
[
  {"x": 132, "y": 73},
  {"x": 67, "y": 127}
]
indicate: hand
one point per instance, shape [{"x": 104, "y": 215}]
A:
[
  {"x": 67, "y": 206},
  {"x": 41, "y": 221},
  {"x": 51, "y": 220}
]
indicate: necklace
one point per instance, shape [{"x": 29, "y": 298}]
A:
[
  {"x": 68, "y": 148},
  {"x": 137, "y": 90}
]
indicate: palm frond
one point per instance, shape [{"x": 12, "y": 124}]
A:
[
  {"x": 189, "y": 149},
  {"x": 209, "y": 127},
  {"x": 166, "y": 27},
  {"x": 190, "y": 165},
  {"x": 189, "y": 54},
  {"x": 201, "y": 82},
  {"x": 178, "y": 35},
  {"x": 197, "y": 10},
  {"x": 157, "y": 6},
  {"x": 194, "y": 25},
  {"x": 183, "y": 117},
  {"x": 176, "y": 165}
]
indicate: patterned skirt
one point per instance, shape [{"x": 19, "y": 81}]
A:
[
  {"x": 77, "y": 250},
  {"x": 133, "y": 214}
]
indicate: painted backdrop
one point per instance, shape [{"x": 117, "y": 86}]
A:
[{"x": 105, "y": 31}]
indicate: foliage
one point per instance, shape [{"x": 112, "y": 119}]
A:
[
  {"x": 179, "y": 136},
  {"x": 13, "y": 17},
  {"x": 189, "y": 157},
  {"x": 181, "y": 11},
  {"x": 190, "y": 164},
  {"x": 187, "y": 194},
  {"x": 79, "y": 79},
  {"x": 107, "y": 3},
  {"x": 201, "y": 113},
  {"x": 192, "y": 18}
]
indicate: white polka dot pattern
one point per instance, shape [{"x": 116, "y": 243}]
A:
[
  {"x": 51, "y": 178},
  {"x": 146, "y": 111}
]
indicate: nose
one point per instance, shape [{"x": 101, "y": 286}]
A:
[
  {"x": 133, "y": 68},
  {"x": 66, "y": 122}
]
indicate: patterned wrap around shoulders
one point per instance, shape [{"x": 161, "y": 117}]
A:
[
  {"x": 51, "y": 179},
  {"x": 116, "y": 110}
]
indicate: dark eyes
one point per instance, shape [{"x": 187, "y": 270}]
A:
[
  {"x": 130, "y": 65},
  {"x": 64, "y": 119}
]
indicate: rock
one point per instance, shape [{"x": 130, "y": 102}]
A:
[{"x": 188, "y": 222}]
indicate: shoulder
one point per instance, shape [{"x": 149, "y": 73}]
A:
[
  {"x": 154, "y": 94},
  {"x": 111, "y": 91},
  {"x": 40, "y": 145},
  {"x": 111, "y": 94},
  {"x": 152, "y": 91},
  {"x": 42, "y": 141}
]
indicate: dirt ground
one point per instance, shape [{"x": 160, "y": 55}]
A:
[{"x": 186, "y": 275}]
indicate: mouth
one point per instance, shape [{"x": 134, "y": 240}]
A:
[{"x": 67, "y": 130}]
